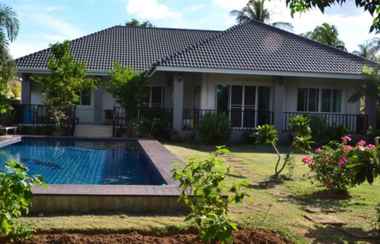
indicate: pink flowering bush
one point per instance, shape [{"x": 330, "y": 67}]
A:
[{"x": 340, "y": 165}]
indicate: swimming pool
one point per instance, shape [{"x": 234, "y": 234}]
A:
[{"x": 76, "y": 161}]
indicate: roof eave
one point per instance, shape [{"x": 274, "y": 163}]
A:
[
  {"x": 348, "y": 76},
  {"x": 34, "y": 71}
]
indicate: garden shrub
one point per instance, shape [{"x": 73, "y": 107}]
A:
[
  {"x": 15, "y": 198},
  {"x": 301, "y": 141},
  {"x": 214, "y": 129},
  {"x": 339, "y": 165},
  {"x": 208, "y": 197},
  {"x": 322, "y": 133}
]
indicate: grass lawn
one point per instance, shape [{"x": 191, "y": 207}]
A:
[{"x": 281, "y": 207}]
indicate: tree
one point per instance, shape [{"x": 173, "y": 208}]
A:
[
  {"x": 370, "y": 90},
  {"x": 9, "y": 26},
  {"x": 326, "y": 34},
  {"x": 255, "y": 10},
  {"x": 61, "y": 88},
  {"x": 370, "y": 6},
  {"x": 128, "y": 88},
  {"x": 137, "y": 23},
  {"x": 369, "y": 49}
]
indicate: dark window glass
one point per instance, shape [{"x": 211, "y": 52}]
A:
[
  {"x": 263, "y": 113},
  {"x": 85, "y": 98},
  {"x": 302, "y": 99},
  {"x": 326, "y": 100},
  {"x": 337, "y": 101},
  {"x": 331, "y": 100},
  {"x": 236, "y": 96},
  {"x": 222, "y": 97},
  {"x": 156, "y": 99},
  {"x": 249, "y": 107},
  {"x": 313, "y": 100}
]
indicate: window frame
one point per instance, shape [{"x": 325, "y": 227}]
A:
[
  {"x": 243, "y": 104},
  {"x": 81, "y": 98},
  {"x": 320, "y": 100}
]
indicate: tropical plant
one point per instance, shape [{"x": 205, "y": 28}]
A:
[
  {"x": 137, "y": 23},
  {"x": 61, "y": 88},
  {"x": 370, "y": 6},
  {"x": 255, "y": 10},
  {"x": 326, "y": 34},
  {"x": 339, "y": 165},
  {"x": 369, "y": 49},
  {"x": 214, "y": 128},
  {"x": 128, "y": 88},
  {"x": 370, "y": 90},
  {"x": 15, "y": 198},
  {"x": 207, "y": 195},
  {"x": 301, "y": 141},
  {"x": 9, "y": 26}
]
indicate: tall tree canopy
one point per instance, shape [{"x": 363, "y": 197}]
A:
[
  {"x": 369, "y": 49},
  {"x": 326, "y": 34},
  {"x": 137, "y": 23},
  {"x": 9, "y": 26},
  {"x": 255, "y": 10},
  {"x": 370, "y": 6}
]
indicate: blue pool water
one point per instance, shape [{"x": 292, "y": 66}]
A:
[{"x": 83, "y": 162}]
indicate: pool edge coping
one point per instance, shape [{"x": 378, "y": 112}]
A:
[{"x": 156, "y": 153}]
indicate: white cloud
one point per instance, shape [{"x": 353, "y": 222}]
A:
[
  {"x": 151, "y": 10},
  {"x": 230, "y": 4},
  {"x": 49, "y": 27}
]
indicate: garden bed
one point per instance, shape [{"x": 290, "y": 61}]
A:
[{"x": 243, "y": 236}]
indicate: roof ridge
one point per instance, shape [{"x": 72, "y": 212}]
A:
[
  {"x": 75, "y": 39},
  {"x": 298, "y": 36},
  {"x": 194, "y": 46},
  {"x": 169, "y": 28}
]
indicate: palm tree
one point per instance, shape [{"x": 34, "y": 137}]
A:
[
  {"x": 369, "y": 49},
  {"x": 9, "y": 26},
  {"x": 326, "y": 34},
  {"x": 137, "y": 23},
  {"x": 8, "y": 22},
  {"x": 255, "y": 10}
]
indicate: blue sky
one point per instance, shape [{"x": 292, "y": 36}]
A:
[{"x": 49, "y": 21}]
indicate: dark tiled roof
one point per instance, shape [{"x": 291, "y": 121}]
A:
[
  {"x": 135, "y": 47},
  {"x": 252, "y": 46},
  {"x": 259, "y": 47}
]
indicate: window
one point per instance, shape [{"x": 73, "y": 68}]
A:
[
  {"x": 331, "y": 100},
  {"x": 85, "y": 98},
  {"x": 240, "y": 103},
  {"x": 155, "y": 97},
  {"x": 319, "y": 100}
]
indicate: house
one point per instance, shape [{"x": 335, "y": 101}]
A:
[{"x": 254, "y": 72}]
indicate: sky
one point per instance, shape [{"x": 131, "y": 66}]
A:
[{"x": 43, "y": 22}]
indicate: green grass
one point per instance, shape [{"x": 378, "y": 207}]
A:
[{"x": 280, "y": 207}]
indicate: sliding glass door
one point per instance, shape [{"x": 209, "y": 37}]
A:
[{"x": 246, "y": 106}]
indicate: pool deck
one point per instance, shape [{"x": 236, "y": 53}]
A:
[{"x": 70, "y": 198}]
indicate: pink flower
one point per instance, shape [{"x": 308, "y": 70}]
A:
[
  {"x": 318, "y": 150},
  {"x": 307, "y": 160},
  {"x": 346, "y": 139},
  {"x": 371, "y": 146},
  {"x": 347, "y": 148},
  {"x": 342, "y": 161},
  {"x": 361, "y": 143}
]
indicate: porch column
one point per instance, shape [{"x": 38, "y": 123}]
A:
[
  {"x": 178, "y": 84},
  {"x": 278, "y": 103},
  {"x": 26, "y": 88}
]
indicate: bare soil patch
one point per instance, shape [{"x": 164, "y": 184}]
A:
[{"x": 240, "y": 237}]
